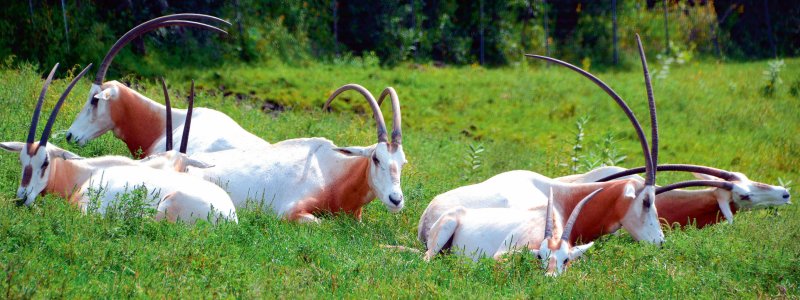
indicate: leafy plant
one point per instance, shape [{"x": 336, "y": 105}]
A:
[
  {"x": 472, "y": 160},
  {"x": 772, "y": 76},
  {"x": 576, "y": 156}
]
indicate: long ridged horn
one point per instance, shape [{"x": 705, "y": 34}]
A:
[
  {"x": 696, "y": 183},
  {"x": 574, "y": 215},
  {"x": 376, "y": 110},
  {"x": 651, "y": 102},
  {"x": 188, "y": 122},
  {"x": 722, "y": 174},
  {"x": 548, "y": 227},
  {"x": 649, "y": 180},
  {"x": 170, "y": 20},
  {"x": 38, "y": 110},
  {"x": 54, "y": 113},
  {"x": 169, "y": 114},
  {"x": 397, "y": 130}
]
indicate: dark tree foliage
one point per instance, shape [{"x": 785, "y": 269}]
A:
[{"x": 440, "y": 31}]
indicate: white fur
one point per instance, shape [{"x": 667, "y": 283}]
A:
[
  {"x": 179, "y": 196},
  {"x": 523, "y": 190},
  {"x": 211, "y": 129},
  {"x": 493, "y": 232},
  {"x": 281, "y": 175}
]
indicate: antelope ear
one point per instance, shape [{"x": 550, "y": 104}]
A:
[
  {"x": 107, "y": 94},
  {"x": 64, "y": 154},
  {"x": 578, "y": 251},
  {"x": 705, "y": 177},
  {"x": 354, "y": 151},
  {"x": 12, "y": 146},
  {"x": 197, "y": 163}
]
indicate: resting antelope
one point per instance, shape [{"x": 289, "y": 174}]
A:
[
  {"x": 51, "y": 170},
  {"x": 730, "y": 192},
  {"x": 480, "y": 232},
  {"x": 139, "y": 121},
  {"x": 524, "y": 189},
  {"x": 301, "y": 177}
]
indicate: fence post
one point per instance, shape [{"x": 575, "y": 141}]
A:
[
  {"x": 66, "y": 28},
  {"x": 614, "y": 21},
  {"x": 335, "y": 28},
  {"x": 481, "y": 30},
  {"x": 30, "y": 6},
  {"x": 666, "y": 24},
  {"x": 770, "y": 35},
  {"x": 546, "y": 32}
]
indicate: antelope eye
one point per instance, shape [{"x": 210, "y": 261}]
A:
[
  {"x": 375, "y": 160},
  {"x": 566, "y": 260},
  {"x": 746, "y": 197},
  {"x": 45, "y": 164},
  {"x": 94, "y": 101}
]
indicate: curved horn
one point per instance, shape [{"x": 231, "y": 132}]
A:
[
  {"x": 651, "y": 102},
  {"x": 38, "y": 109},
  {"x": 170, "y": 20},
  {"x": 397, "y": 131},
  {"x": 54, "y": 113},
  {"x": 722, "y": 174},
  {"x": 574, "y": 215},
  {"x": 188, "y": 122},
  {"x": 376, "y": 110},
  {"x": 169, "y": 114},
  {"x": 548, "y": 227},
  {"x": 639, "y": 132},
  {"x": 695, "y": 183}
]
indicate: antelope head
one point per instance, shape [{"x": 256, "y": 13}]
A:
[
  {"x": 557, "y": 254},
  {"x": 95, "y": 118},
  {"x": 35, "y": 157},
  {"x": 386, "y": 159},
  {"x": 641, "y": 219}
]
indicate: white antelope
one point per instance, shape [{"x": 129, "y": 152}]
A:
[
  {"x": 301, "y": 177},
  {"x": 729, "y": 192},
  {"x": 47, "y": 169},
  {"x": 139, "y": 121},
  {"x": 630, "y": 208},
  {"x": 481, "y": 232}
]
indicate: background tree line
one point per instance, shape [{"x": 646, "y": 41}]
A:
[{"x": 456, "y": 32}]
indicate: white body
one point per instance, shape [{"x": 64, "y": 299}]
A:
[
  {"x": 177, "y": 196},
  {"x": 488, "y": 232},
  {"x": 287, "y": 175},
  {"x": 525, "y": 190},
  {"x": 98, "y": 182},
  {"x": 122, "y": 110}
]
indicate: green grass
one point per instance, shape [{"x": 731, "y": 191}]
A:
[{"x": 711, "y": 114}]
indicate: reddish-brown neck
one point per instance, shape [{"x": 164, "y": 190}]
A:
[
  {"x": 138, "y": 121},
  {"x": 684, "y": 207},
  {"x": 599, "y": 216},
  {"x": 347, "y": 193},
  {"x": 66, "y": 179}
]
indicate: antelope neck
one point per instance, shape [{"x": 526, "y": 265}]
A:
[
  {"x": 139, "y": 121},
  {"x": 687, "y": 206},
  {"x": 601, "y": 215},
  {"x": 66, "y": 178}
]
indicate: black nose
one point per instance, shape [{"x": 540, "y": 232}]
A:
[
  {"x": 20, "y": 202},
  {"x": 395, "y": 201},
  {"x": 786, "y": 196},
  {"x": 69, "y": 137}
]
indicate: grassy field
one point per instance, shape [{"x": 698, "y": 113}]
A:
[{"x": 712, "y": 114}]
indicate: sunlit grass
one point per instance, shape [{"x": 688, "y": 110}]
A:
[{"x": 712, "y": 114}]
